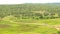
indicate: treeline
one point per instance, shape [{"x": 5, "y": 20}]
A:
[{"x": 34, "y": 11}]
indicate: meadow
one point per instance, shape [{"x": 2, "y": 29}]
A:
[
  {"x": 10, "y": 25},
  {"x": 30, "y": 19}
]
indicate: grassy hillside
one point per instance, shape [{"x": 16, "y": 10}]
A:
[{"x": 30, "y": 19}]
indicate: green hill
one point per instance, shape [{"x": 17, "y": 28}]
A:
[{"x": 31, "y": 10}]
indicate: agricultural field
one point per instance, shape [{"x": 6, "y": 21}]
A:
[{"x": 30, "y": 19}]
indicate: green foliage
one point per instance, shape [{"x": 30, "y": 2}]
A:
[
  {"x": 29, "y": 18},
  {"x": 26, "y": 11}
]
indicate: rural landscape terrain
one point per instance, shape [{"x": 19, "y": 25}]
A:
[{"x": 30, "y": 18}]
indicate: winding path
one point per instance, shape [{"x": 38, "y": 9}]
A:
[{"x": 43, "y": 24}]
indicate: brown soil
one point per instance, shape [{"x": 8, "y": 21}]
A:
[
  {"x": 57, "y": 27},
  {"x": 4, "y": 26}
]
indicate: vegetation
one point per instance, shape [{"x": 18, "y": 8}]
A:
[
  {"x": 35, "y": 11},
  {"x": 30, "y": 19}
]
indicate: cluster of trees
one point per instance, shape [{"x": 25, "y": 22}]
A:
[{"x": 35, "y": 11}]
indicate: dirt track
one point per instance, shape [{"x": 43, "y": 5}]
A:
[{"x": 43, "y": 24}]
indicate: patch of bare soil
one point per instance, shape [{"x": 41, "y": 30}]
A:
[
  {"x": 4, "y": 26},
  {"x": 57, "y": 27}
]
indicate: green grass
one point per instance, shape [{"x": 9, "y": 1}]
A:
[{"x": 19, "y": 26}]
